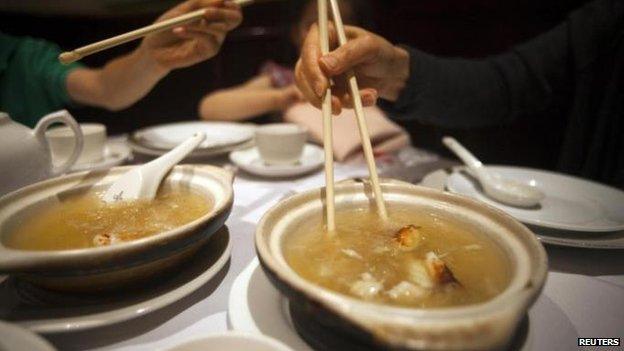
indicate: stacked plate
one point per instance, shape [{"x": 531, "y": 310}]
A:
[
  {"x": 575, "y": 212},
  {"x": 221, "y": 138}
]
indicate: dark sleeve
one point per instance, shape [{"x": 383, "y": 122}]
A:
[{"x": 523, "y": 81}]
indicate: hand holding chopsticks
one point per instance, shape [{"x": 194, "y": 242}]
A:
[
  {"x": 160, "y": 26},
  {"x": 382, "y": 68}
]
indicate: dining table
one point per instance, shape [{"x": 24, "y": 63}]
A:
[{"x": 583, "y": 296}]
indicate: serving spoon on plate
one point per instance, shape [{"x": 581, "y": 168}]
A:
[
  {"x": 506, "y": 191},
  {"x": 142, "y": 182}
]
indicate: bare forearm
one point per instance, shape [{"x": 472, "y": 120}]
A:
[
  {"x": 239, "y": 104},
  {"x": 117, "y": 85}
]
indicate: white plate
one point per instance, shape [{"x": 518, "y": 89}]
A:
[
  {"x": 255, "y": 306},
  {"x": 218, "y": 134},
  {"x": 115, "y": 153},
  {"x": 250, "y": 161},
  {"x": 61, "y": 314},
  {"x": 615, "y": 240},
  {"x": 233, "y": 341},
  {"x": 571, "y": 203},
  {"x": 15, "y": 338},
  {"x": 199, "y": 153}
]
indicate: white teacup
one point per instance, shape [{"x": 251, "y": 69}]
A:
[
  {"x": 281, "y": 143},
  {"x": 61, "y": 140}
]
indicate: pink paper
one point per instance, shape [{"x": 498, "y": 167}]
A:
[{"x": 386, "y": 136}]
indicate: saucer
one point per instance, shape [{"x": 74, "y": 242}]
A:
[
  {"x": 613, "y": 240},
  {"x": 250, "y": 161},
  {"x": 49, "y": 312},
  {"x": 15, "y": 338},
  {"x": 115, "y": 153},
  {"x": 571, "y": 203}
]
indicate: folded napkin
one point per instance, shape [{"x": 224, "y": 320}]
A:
[{"x": 386, "y": 136}]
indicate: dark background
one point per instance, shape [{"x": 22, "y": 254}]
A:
[{"x": 466, "y": 28}]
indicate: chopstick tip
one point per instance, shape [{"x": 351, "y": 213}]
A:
[{"x": 68, "y": 57}]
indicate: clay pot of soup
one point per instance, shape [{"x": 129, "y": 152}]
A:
[
  {"x": 58, "y": 234},
  {"x": 444, "y": 272}
]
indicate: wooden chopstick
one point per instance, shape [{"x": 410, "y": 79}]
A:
[
  {"x": 77, "y": 54},
  {"x": 359, "y": 113},
  {"x": 327, "y": 125}
]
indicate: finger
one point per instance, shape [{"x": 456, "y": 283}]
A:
[
  {"x": 217, "y": 28},
  {"x": 311, "y": 71},
  {"x": 346, "y": 57},
  {"x": 231, "y": 4},
  {"x": 336, "y": 105},
  {"x": 232, "y": 18},
  {"x": 293, "y": 95},
  {"x": 368, "y": 95},
  {"x": 193, "y": 5},
  {"x": 353, "y": 32},
  {"x": 304, "y": 86},
  {"x": 189, "y": 6},
  {"x": 339, "y": 85},
  {"x": 203, "y": 44},
  {"x": 214, "y": 39},
  {"x": 300, "y": 96}
]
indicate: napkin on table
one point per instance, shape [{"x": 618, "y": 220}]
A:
[{"x": 386, "y": 136}]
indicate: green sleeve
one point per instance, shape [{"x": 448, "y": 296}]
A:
[{"x": 32, "y": 82}]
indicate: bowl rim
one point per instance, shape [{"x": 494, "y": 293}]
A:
[
  {"x": 341, "y": 304},
  {"x": 222, "y": 176}
]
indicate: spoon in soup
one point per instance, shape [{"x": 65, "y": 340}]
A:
[
  {"x": 142, "y": 182},
  {"x": 506, "y": 191}
]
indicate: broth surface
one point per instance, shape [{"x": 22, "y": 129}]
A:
[
  {"x": 363, "y": 259},
  {"x": 84, "y": 220}
]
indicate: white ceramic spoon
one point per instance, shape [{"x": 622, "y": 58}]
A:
[
  {"x": 503, "y": 190},
  {"x": 142, "y": 182}
]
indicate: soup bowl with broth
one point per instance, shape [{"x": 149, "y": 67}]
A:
[
  {"x": 60, "y": 235},
  {"x": 443, "y": 272}
]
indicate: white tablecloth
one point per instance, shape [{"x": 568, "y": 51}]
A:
[{"x": 583, "y": 296}]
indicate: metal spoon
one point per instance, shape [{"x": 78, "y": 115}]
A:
[
  {"x": 503, "y": 190},
  {"x": 142, "y": 182}
]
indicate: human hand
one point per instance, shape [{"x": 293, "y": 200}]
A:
[
  {"x": 287, "y": 96},
  {"x": 195, "y": 42},
  {"x": 380, "y": 67}
]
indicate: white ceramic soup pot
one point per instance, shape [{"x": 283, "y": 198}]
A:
[
  {"x": 372, "y": 326},
  {"x": 122, "y": 264}
]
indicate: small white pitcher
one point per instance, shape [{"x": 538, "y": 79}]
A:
[{"x": 25, "y": 154}]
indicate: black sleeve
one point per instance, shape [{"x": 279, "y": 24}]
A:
[{"x": 523, "y": 81}]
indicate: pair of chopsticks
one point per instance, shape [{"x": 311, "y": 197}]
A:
[
  {"x": 327, "y": 120},
  {"x": 79, "y": 53}
]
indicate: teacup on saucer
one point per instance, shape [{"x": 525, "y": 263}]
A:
[
  {"x": 281, "y": 143},
  {"x": 61, "y": 141},
  {"x": 251, "y": 161}
]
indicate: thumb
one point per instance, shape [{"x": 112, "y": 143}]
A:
[{"x": 348, "y": 56}]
